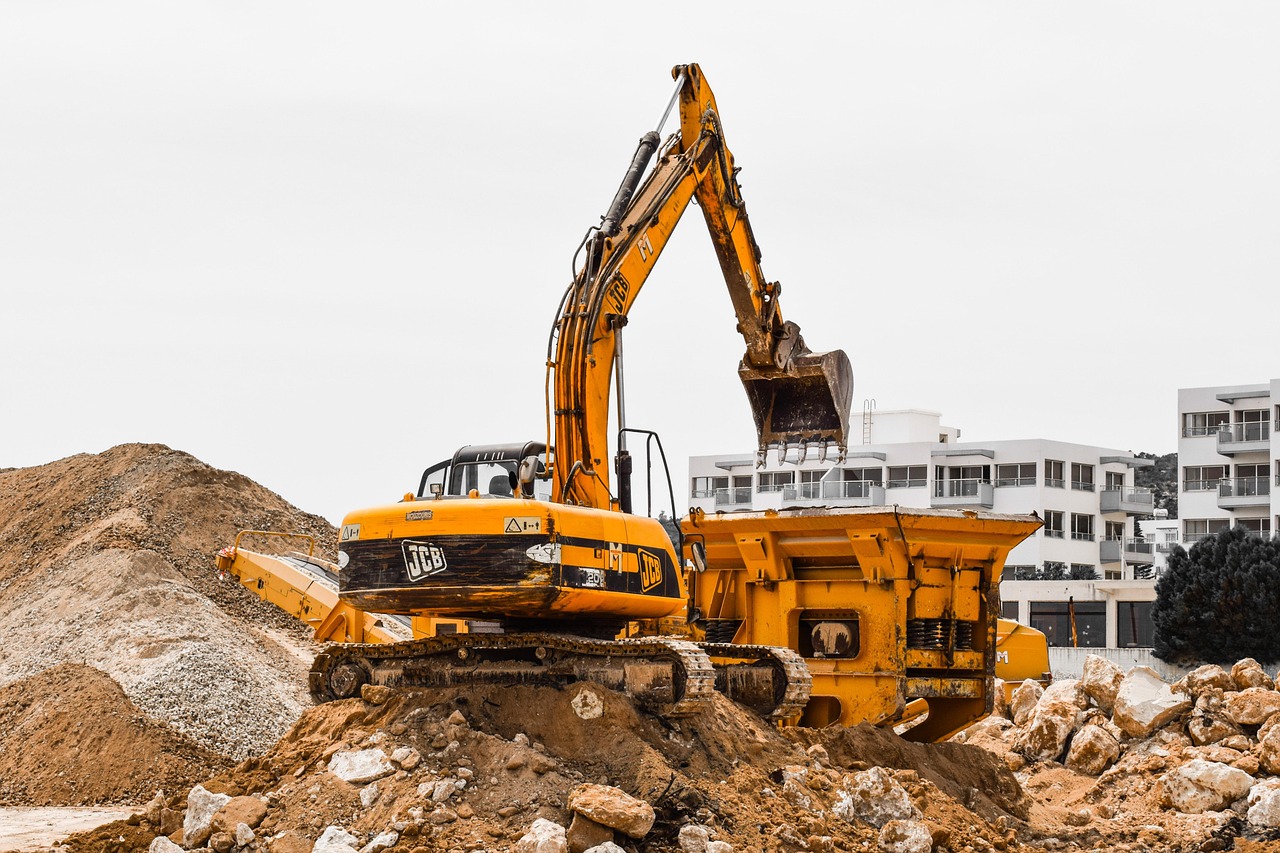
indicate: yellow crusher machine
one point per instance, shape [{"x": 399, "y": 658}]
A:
[{"x": 813, "y": 616}]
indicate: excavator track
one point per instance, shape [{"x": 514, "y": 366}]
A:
[
  {"x": 771, "y": 680},
  {"x": 670, "y": 677}
]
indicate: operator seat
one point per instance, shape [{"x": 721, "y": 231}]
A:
[{"x": 500, "y": 486}]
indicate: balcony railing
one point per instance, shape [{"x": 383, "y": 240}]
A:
[
  {"x": 966, "y": 492},
  {"x": 1244, "y": 491},
  {"x": 1082, "y": 536},
  {"x": 1082, "y": 485},
  {"x": 733, "y": 497},
  {"x": 1055, "y": 482},
  {"x": 1203, "y": 430},
  {"x": 1135, "y": 501},
  {"x": 848, "y": 492},
  {"x": 1244, "y": 437}
]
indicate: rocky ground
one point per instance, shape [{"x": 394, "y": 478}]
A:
[{"x": 141, "y": 677}]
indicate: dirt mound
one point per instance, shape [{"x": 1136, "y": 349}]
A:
[
  {"x": 70, "y": 735},
  {"x": 474, "y": 769},
  {"x": 107, "y": 560}
]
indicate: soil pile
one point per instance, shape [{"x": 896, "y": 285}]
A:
[
  {"x": 107, "y": 560},
  {"x": 70, "y": 735},
  {"x": 482, "y": 769}
]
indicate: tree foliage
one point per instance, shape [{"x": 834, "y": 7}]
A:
[{"x": 1220, "y": 601}]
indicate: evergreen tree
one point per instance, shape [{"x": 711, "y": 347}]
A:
[{"x": 1220, "y": 602}]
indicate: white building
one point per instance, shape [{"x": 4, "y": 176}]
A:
[
  {"x": 1085, "y": 495},
  {"x": 1227, "y": 460}
]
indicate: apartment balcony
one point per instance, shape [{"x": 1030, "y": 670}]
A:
[
  {"x": 736, "y": 497},
  {"x": 838, "y": 492},
  {"x": 963, "y": 493},
  {"x": 1131, "y": 551},
  {"x": 1131, "y": 501},
  {"x": 1252, "y": 437},
  {"x": 1244, "y": 492}
]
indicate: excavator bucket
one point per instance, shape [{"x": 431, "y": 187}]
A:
[{"x": 805, "y": 404}]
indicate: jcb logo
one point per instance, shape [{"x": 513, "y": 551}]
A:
[
  {"x": 650, "y": 570},
  {"x": 618, "y": 292},
  {"x": 422, "y": 559}
]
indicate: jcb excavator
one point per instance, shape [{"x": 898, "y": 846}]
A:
[{"x": 894, "y": 609}]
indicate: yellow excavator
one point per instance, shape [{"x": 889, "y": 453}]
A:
[{"x": 811, "y": 616}]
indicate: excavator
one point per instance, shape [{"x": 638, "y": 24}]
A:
[{"x": 814, "y": 616}]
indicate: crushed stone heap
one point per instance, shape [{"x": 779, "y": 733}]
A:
[{"x": 106, "y": 561}]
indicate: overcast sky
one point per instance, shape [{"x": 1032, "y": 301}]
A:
[{"x": 323, "y": 244}]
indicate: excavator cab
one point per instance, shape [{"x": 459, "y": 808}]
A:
[{"x": 490, "y": 470}]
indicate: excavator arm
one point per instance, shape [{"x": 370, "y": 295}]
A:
[{"x": 798, "y": 398}]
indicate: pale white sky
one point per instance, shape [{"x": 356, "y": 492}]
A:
[{"x": 322, "y": 244}]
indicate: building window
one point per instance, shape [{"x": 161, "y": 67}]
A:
[
  {"x": 1256, "y": 526},
  {"x": 1252, "y": 425},
  {"x": 1053, "y": 571},
  {"x": 1057, "y": 618},
  {"x": 1009, "y": 610},
  {"x": 1203, "y": 423},
  {"x": 1018, "y": 573},
  {"x": 810, "y": 484},
  {"x": 1133, "y": 624},
  {"x": 908, "y": 476},
  {"x": 1053, "y": 524},
  {"x": 1083, "y": 572},
  {"x": 1251, "y": 480},
  {"x": 1202, "y": 478},
  {"x": 775, "y": 481},
  {"x": 1016, "y": 474},
  {"x": 1081, "y": 477},
  {"x": 1081, "y": 527},
  {"x": 961, "y": 481},
  {"x": 1053, "y": 473},
  {"x": 706, "y": 487},
  {"x": 1195, "y": 529},
  {"x": 1113, "y": 575}
]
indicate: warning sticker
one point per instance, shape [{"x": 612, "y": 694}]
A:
[{"x": 522, "y": 524}]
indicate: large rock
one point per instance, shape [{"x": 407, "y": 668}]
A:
[
  {"x": 238, "y": 810},
  {"x": 584, "y": 833},
  {"x": 543, "y": 837},
  {"x": 1264, "y": 804},
  {"x": 906, "y": 836},
  {"x": 1092, "y": 751},
  {"x": 873, "y": 796},
  {"x": 360, "y": 766},
  {"x": 1101, "y": 679},
  {"x": 612, "y": 807},
  {"x": 1208, "y": 677},
  {"x": 1206, "y": 728},
  {"x": 1200, "y": 786},
  {"x": 1251, "y": 706},
  {"x": 1144, "y": 702},
  {"x": 335, "y": 839},
  {"x": 1269, "y": 748},
  {"x": 160, "y": 844},
  {"x": 1056, "y": 716},
  {"x": 1249, "y": 673},
  {"x": 202, "y": 805},
  {"x": 1024, "y": 699}
]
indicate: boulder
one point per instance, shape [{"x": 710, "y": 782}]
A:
[
  {"x": 906, "y": 836},
  {"x": 1024, "y": 699},
  {"x": 1200, "y": 786},
  {"x": 360, "y": 766},
  {"x": 1100, "y": 680},
  {"x": 1208, "y": 677},
  {"x": 1251, "y": 706},
  {"x": 543, "y": 837},
  {"x": 1056, "y": 716},
  {"x": 1265, "y": 810},
  {"x": 160, "y": 844},
  {"x": 1092, "y": 751},
  {"x": 335, "y": 839},
  {"x": 1209, "y": 728},
  {"x": 197, "y": 825},
  {"x": 1144, "y": 702},
  {"x": 873, "y": 796},
  {"x": 1269, "y": 748},
  {"x": 238, "y": 810},
  {"x": 584, "y": 833},
  {"x": 612, "y": 807},
  {"x": 693, "y": 838},
  {"x": 381, "y": 842},
  {"x": 1249, "y": 673}
]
